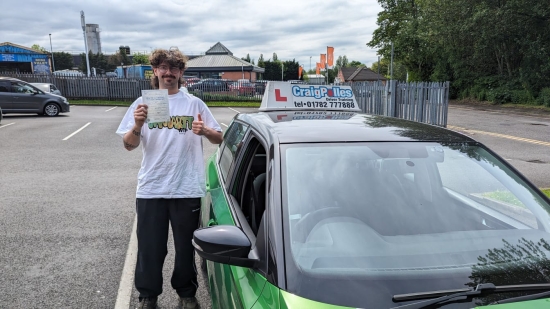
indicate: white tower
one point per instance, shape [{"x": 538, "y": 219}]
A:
[{"x": 92, "y": 36}]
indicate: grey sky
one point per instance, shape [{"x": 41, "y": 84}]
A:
[{"x": 292, "y": 29}]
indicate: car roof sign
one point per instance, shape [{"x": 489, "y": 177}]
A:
[{"x": 286, "y": 96}]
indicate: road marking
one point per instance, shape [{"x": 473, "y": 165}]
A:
[
  {"x": 521, "y": 139},
  {"x": 234, "y": 110},
  {"x": 223, "y": 124},
  {"x": 66, "y": 138},
  {"x": 110, "y": 109},
  {"x": 125, "y": 286},
  {"x": 9, "y": 124}
]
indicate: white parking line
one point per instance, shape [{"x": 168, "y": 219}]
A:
[
  {"x": 5, "y": 125},
  {"x": 66, "y": 138},
  {"x": 110, "y": 109},
  {"x": 234, "y": 110},
  {"x": 223, "y": 124},
  {"x": 124, "y": 295}
]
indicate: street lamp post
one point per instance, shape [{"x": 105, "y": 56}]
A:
[
  {"x": 83, "y": 23},
  {"x": 282, "y": 70},
  {"x": 310, "y": 63},
  {"x": 51, "y": 51}
]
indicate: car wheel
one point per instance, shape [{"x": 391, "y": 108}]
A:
[{"x": 51, "y": 109}]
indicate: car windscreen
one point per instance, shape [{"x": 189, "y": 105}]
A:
[{"x": 366, "y": 221}]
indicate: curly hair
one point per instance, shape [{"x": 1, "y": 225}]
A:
[{"x": 173, "y": 57}]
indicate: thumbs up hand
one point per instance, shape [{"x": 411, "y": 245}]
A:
[{"x": 198, "y": 126}]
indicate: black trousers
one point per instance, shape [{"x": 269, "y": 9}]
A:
[{"x": 153, "y": 217}]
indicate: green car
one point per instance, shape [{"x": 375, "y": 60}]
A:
[{"x": 321, "y": 206}]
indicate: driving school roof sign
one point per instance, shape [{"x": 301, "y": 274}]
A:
[{"x": 285, "y": 96}]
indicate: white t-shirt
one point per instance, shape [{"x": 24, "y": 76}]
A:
[{"x": 173, "y": 164}]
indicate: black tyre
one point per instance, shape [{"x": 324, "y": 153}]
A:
[{"x": 51, "y": 110}]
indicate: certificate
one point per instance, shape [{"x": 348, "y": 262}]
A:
[{"x": 158, "y": 109}]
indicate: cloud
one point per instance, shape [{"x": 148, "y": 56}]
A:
[{"x": 292, "y": 29}]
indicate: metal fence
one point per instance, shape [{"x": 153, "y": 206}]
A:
[
  {"x": 426, "y": 102},
  {"x": 92, "y": 88},
  {"x": 422, "y": 102}
]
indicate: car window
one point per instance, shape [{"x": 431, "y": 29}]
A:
[
  {"x": 22, "y": 88},
  {"x": 402, "y": 213},
  {"x": 233, "y": 138},
  {"x": 250, "y": 182},
  {"x": 5, "y": 87}
]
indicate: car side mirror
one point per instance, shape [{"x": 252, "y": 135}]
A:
[{"x": 226, "y": 244}]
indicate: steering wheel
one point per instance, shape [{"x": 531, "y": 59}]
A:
[{"x": 304, "y": 226}]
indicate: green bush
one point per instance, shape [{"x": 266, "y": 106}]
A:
[
  {"x": 521, "y": 97},
  {"x": 544, "y": 97},
  {"x": 499, "y": 95}
]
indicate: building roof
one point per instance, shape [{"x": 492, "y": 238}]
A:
[
  {"x": 5, "y": 48},
  {"x": 218, "y": 49},
  {"x": 359, "y": 74},
  {"x": 220, "y": 59}
]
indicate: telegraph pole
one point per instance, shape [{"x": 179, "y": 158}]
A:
[
  {"x": 51, "y": 51},
  {"x": 83, "y": 23}
]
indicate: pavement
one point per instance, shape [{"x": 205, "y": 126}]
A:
[{"x": 538, "y": 111}]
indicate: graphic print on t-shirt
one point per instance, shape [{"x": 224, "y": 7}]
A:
[{"x": 180, "y": 123}]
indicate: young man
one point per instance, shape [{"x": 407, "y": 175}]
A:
[{"x": 171, "y": 180}]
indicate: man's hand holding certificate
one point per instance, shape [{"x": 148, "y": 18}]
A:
[{"x": 157, "y": 102}]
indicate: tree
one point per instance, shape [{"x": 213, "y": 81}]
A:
[
  {"x": 275, "y": 57},
  {"x": 63, "y": 61},
  {"x": 98, "y": 61},
  {"x": 291, "y": 69},
  {"x": 119, "y": 59},
  {"x": 356, "y": 64},
  {"x": 38, "y": 48},
  {"x": 261, "y": 63},
  {"x": 139, "y": 58},
  {"x": 247, "y": 58},
  {"x": 485, "y": 48},
  {"x": 273, "y": 70},
  {"x": 342, "y": 62},
  {"x": 399, "y": 70}
]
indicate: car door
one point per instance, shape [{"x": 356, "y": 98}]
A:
[
  {"x": 6, "y": 97},
  {"x": 25, "y": 98},
  {"x": 233, "y": 286}
]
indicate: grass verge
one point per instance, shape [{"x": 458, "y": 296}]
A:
[
  {"x": 546, "y": 191},
  {"x": 127, "y": 103}
]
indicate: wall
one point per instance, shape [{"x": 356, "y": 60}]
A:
[{"x": 239, "y": 75}]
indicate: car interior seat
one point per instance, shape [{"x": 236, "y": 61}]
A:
[{"x": 258, "y": 207}]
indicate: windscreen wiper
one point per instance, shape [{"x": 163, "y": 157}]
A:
[{"x": 485, "y": 288}]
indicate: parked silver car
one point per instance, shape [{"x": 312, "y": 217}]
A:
[
  {"x": 17, "y": 96},
  {"x": 47, "y": 87}
]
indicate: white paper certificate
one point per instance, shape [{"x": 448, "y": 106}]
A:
[{"x": 158, "y": 109}]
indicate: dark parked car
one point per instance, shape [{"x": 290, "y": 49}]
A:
[
  {"x": 210, "y": 85},
  {"x": 260, "y": 86},
  {"x": 312, "y": 204},
  {"x": 17, "y": 96}
]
